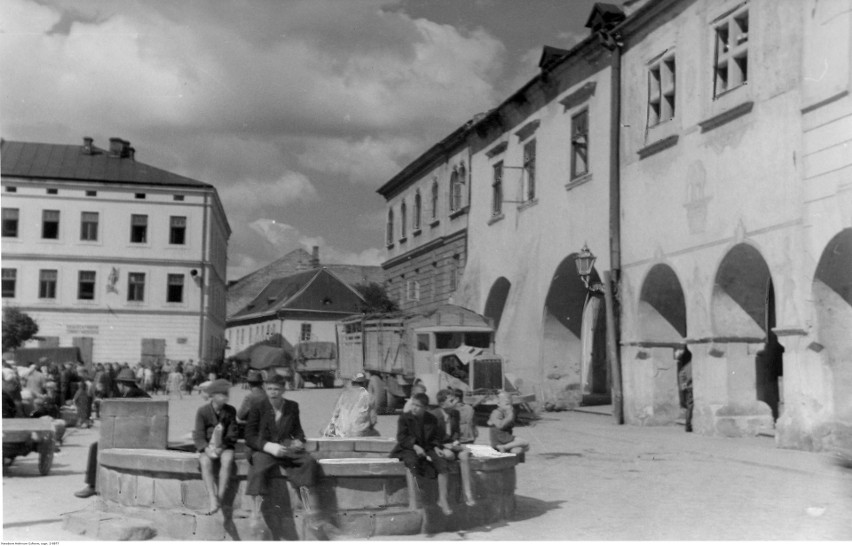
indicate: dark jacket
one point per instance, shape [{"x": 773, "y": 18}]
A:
[
  {"x": 455, "y": 429},
  {"x": 410, "y": 432},
  {"x": 261, "y": 426},
  {"x": 250, "y": 400},
  {"x": 206, "y": 420},
  {"x": 134, "y": 392}
]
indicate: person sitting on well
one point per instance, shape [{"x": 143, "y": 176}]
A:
[
  {"x": 215, "y": 437},
  {"x": 354, "y": 414},
  {"x": 419, "y": 447},
  {"x": 448, "y": 422},
  {"x": 502, "y": 423}
]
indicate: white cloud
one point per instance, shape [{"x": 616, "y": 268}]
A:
[
  {"x": 250, "y": 196},
  {"x": 369, "y": 160}
]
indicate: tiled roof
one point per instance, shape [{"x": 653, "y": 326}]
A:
[
  {"x": 69, "y": 162},
  {"x": 244, "y": 290}
]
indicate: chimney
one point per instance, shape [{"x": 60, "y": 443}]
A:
[
  {"x": 87, "y": 145},
  {"x": 315, "y": 262},
  {"x": 116, "y": 145},
  {"x": 131, "y": 153}
]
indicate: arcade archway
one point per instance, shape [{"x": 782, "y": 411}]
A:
[
  {"x": 743, "y": 311},
  {"x": 832, "y": 294},
  {"x": 496, "y": 302},
  {"x": 574, "y": 333},
  {"x": 662, "y": 307}
]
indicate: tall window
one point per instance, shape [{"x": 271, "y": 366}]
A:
[
  {"x": 139, "y": 228},
  {"x": 580, "y": 143},
  {"x": 136, "y": 287},
  {"x": 497, "y": 190},
  {"x": 434, "y": 199},
  {"x": 389, "y": 231},
  {"x": 10, "y": 222},
  {"x": 47, "y": 284},
  {"x": 457, "y": 181},
  {"x": 89, "y": 226},
  {"x": 177, "y": 230},
  {"x": 412, "y": 288},
  {"x": 50, "y": 224},
  {"x": 731, "y": 62},
  {"x": 661, "y": 91},
  {"x": 174, "y": 290},
  {"x": 418, "y": 210},
  {"x": 305, "y": 334},
  {"x": 454, "y": 180},
  {"x": 529, "y": 168},
  {"x": 10, "y": 279},
  {"x": 454, "y": 275},
  {"x": 86, "y": 285},
  {"x": 403, "y": 220}
]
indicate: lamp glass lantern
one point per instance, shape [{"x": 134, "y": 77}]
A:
[{"x": 585, "y": 261}]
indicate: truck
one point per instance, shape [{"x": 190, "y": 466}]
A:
[
  {"x": 447, "y": 347},
  {"x": 316, "y": 361}
]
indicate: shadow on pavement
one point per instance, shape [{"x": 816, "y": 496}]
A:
[
  {"x": 529, "y": 508},
  {"x": 557, "y": 455},
  {"x": 29, "y": 523}
]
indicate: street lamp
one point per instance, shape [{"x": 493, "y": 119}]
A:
[{"x": 585, "y": 261}]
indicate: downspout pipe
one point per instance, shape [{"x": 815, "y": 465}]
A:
[{"x": 612, "y": 278}]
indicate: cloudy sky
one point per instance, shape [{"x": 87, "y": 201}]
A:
[{"x": 296, "y": 110}]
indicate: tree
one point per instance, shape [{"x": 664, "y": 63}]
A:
[
  {"x": 18, "y": 327},
  {"x": 376, "y": 298}
]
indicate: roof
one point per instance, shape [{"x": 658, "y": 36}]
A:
[
  {"x": 69, "y": 162},
  {"x": 244, "y": 290},
  {"x": 314, "y": 290}
]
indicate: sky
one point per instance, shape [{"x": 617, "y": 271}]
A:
[{"x": 297, "y": 111}]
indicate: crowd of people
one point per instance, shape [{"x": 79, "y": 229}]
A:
[{"x": 428, "y": 437}]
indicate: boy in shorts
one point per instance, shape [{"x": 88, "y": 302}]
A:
[{"x": 502, "y": 423}]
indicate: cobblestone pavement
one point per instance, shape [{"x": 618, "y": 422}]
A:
[{"x": 585, "y": 479}]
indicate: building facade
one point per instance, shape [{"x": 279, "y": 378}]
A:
[
  {"x": 426, "y": 230},
  {"x": 303, "y": 307},
  {"x": 736, "y": 221},
  {"x": 119, "y": 258}
]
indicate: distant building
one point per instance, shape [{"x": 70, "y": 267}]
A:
[
  {"x": 117, "y": 257},
  {"x": 426, "y": 230},
  {"x": 300, "y": 307}
]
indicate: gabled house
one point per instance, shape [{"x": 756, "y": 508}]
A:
[{"x": 299, "y": 307}]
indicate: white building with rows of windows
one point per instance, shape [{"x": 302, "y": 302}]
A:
[{"x": 119, "y": 258}]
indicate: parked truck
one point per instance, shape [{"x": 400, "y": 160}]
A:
[
  {"x": 449, "y": 347},
  {"x": 316, "y": 361}
]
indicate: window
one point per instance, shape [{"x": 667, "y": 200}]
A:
[
  {"x": 580, "y": 143},
  {"x": 177, "y": 230},
  {"x": 454, "y": 180},
  {"x": 305, "y": 334},
  {"x": 139, "y": 228},
  {"x": 178, "y": 197},
  {"x": 661, "y": 91},
  {"x": 91, "y": 193},
  {"x": 454, "y": 276},
  {"x": 497, "y": 190},
  {"x": 11, "y": 189},
  {"x": 390, "y": 228},
  {"x": 403, "y": 220},
  {"x": 434, "y": 199},
  {"x": 422, "y": 342},
  {"x": 86, "y": 285},
  {"x": 136, "y": 287},
  {"x": 458, "y": 181},
  {"x": 50, "y": 224},
  {"x": 412, "y": 289},
  {"x": 529, "y": 168},
  {"x": 89, "y": 226},
  {"x": 10, "y": 279},
  {"x": 731, "y": 63},
  {"x": 174, "y": 290},
  {"x": 139, "y": 196},
  {"x": 418, "y": 210},
  {"x": 47, "y": 284},
  {"x": 10, "y": 222},
  {"x": 52, "y": 191}
]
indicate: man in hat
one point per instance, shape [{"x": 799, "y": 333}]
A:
[
  {"x": 127, "y": 388},
  {"x": 275, "y": 439},
  {"x": 215, "y": 437},
  {"x": 355, "y": 412}
]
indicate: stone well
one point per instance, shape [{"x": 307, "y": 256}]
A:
[{"x": 366, "y": 493}]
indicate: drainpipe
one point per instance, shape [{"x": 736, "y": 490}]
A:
[
  {"x": 612, "y": 278},
  {"x": 204, "y": 276}
]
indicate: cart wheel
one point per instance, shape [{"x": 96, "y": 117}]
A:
[
  {"x": 45, "y": 457},
  {"x": 328, "y": 381}
]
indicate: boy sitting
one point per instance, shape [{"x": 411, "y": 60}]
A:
[
  {"x": 215, "y": 436},
  {"x": 502, "y": 423},
  {"x": 418, "y": 445},
  {"x": 448, "y": 421}
]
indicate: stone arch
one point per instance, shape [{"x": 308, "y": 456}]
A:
[
  {"x": 743, "y": 314},
  {"x": 570, "y": 348},
  {"x": 496, "y": 302},
  {"x": 662, "y": 307},
  {"x": 832, "y": 295}
]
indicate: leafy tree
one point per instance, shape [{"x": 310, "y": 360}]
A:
[
  {"x": 376, "y": 298},
  {"x": 18, "y": 327}
]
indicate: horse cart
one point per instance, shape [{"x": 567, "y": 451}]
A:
[{"x": 24, "y": 436}]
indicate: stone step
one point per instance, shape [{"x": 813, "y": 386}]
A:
[{"x": 106, "y": 526}]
